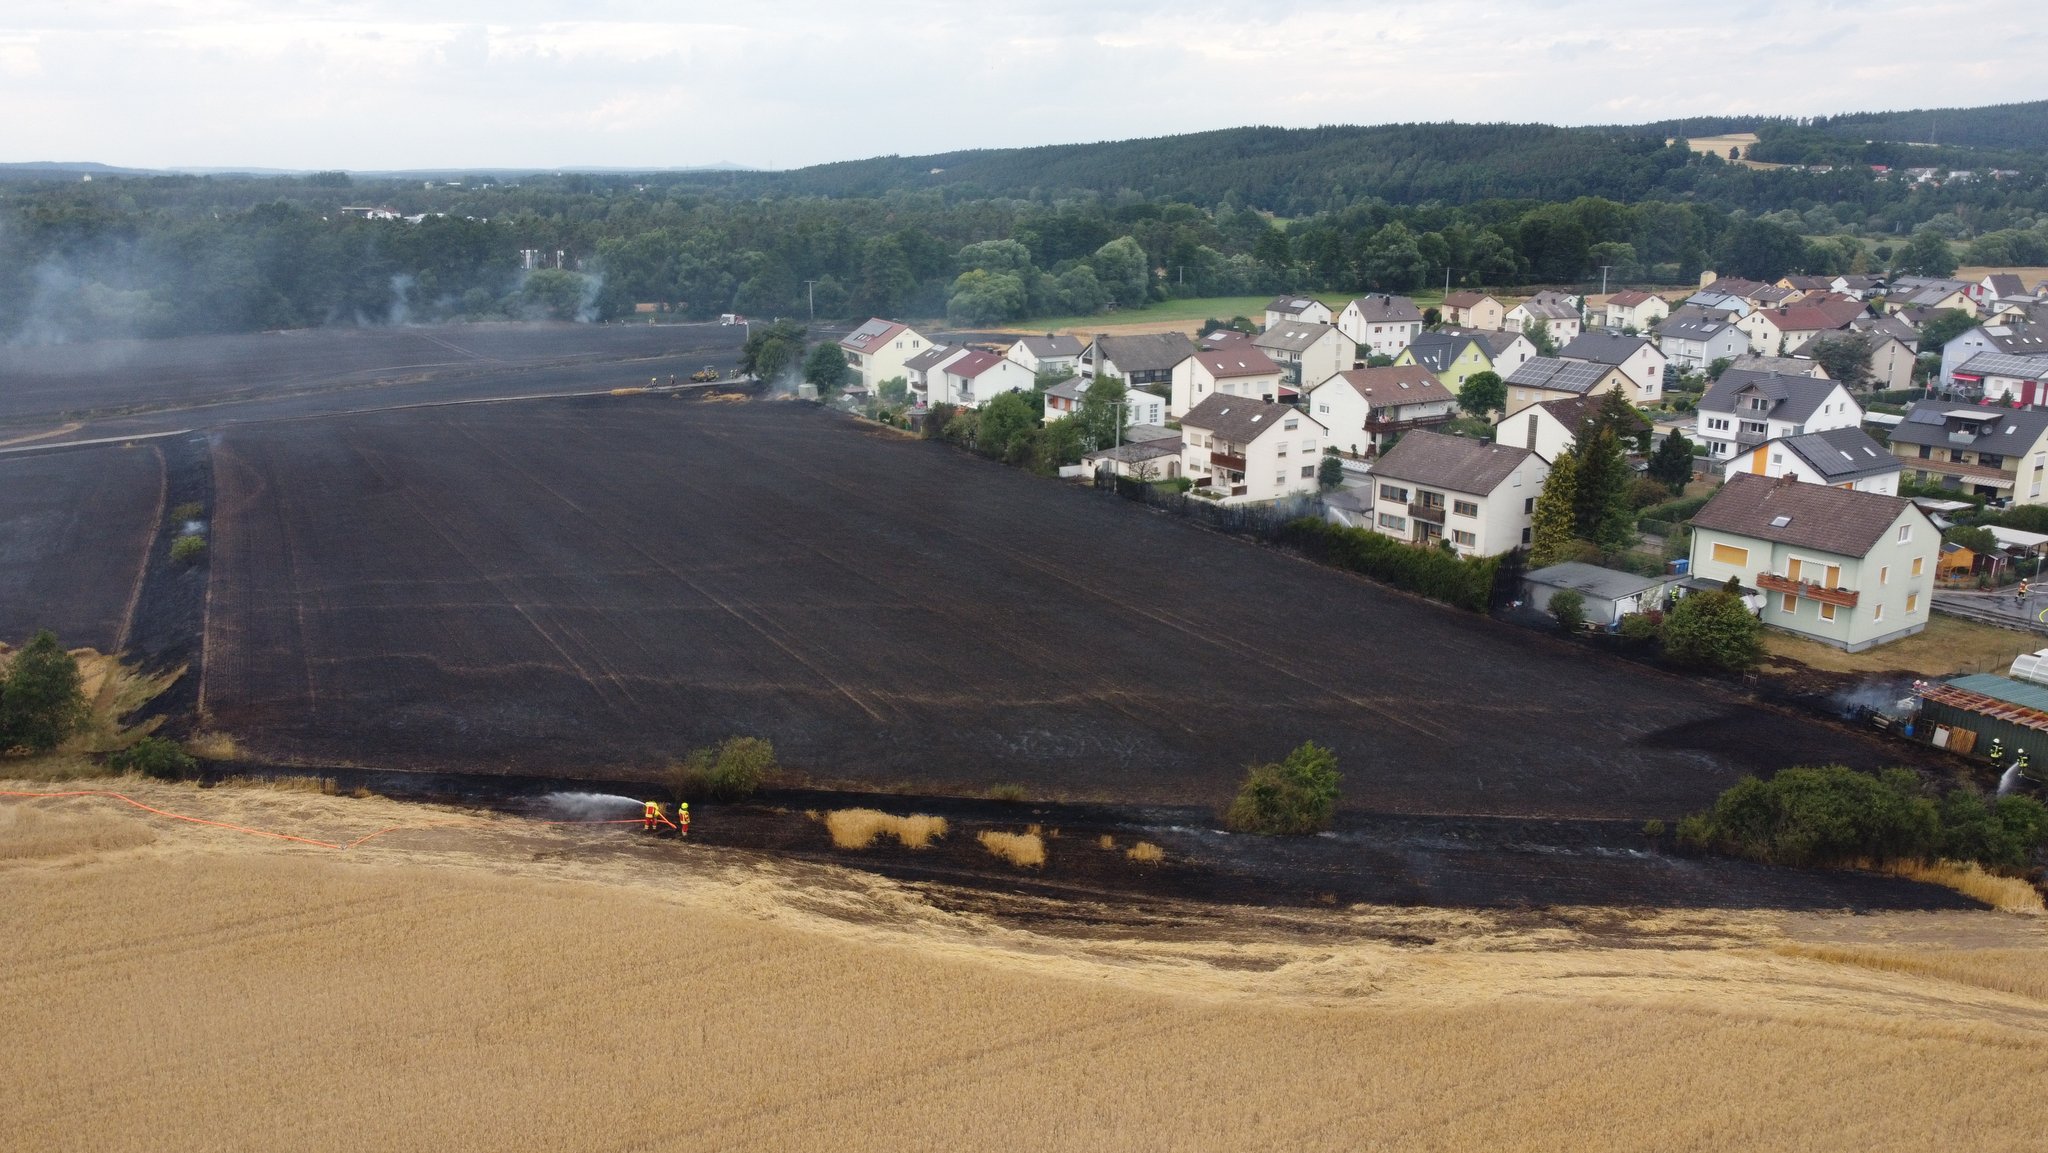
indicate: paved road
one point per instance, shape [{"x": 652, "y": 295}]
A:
[{"x": 1999, "y": 608}]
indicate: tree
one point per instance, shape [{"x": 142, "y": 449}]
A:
[
  {"x": 826, "y": 368},
  {"x": 1845, "y": 356},
  {"x": 1762, "y": 250},
  {"x": 979, "y": 296},
  {"x": 1619, "y": 416},
  {"x": 1551, "y": 530},
  {"x": 1101, "y": 413},
  {"x": 1719, "y": 366},
  {"x": 1976, "y": 538},
  {"x": 558, "y": 294},
  {"x": 1539, "y": 335},
  {"x": 41, "y": 701},
  {"x": 894, "y": 390},
  {"x": 772, "y": 350},
  {"x": 1927, "y": 254},
  {"x": 1568, "y": 608},
  {"x": 1943, "y": 327},
  {"x": 1007, "y": 422},
  {"x": 1329, "y": 474},
  {"x": 1600, "y": 506},
  {"x": 1672, "y": 462},
  {"x": 1483, "y": 392},
  {"x": 1124, "y": 272},
  {"x": 1295, "y": 797},
  {"x": 1714, "y": 630}
]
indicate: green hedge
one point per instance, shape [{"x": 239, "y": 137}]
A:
[
  {"x": 1434, "y": 573},
  {"x": 1674, "y": 511}
]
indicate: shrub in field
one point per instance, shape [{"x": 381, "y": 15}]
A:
[
  {"x": 1639, "y": 626},
  {"x": 41, "y": 699},
  {"x": 858, "y": 828},
  {"x": 1830, "y": 815},
  {"x": 1146, "y": 853},
  {"x": 1714, "y": 630},
  {"x": 188, "y": 549},
  {"x": 1568, "y": 607},
  {"x": 153, "y": 757},
  {"x": 2003, "y": 833},
  {"x": 190, "y": 510},
  {"x": 1024, "y": 850},
  {"x": 1296, "y": 796},
  {"x": 1012, "y": 793},
  {"x": 1466, "y": 582},
  {"x": 731, "y": 772}
]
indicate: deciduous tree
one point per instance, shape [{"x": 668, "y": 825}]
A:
[
  {"x": 1483, "y": 392},
  {"x": 41, "y": 700}
]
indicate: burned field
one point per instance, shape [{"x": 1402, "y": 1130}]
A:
[
  {"x": 75, "y": 529},
  {"x": 588, "y": 588}
]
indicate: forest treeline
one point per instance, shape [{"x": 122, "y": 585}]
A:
[{"x": 1004, "y": 236}]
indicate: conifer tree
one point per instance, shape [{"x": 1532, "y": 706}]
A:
[{"x": 1551, "y": 529}]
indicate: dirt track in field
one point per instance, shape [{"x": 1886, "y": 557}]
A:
[
  {"x": 74, "y": 530},
  {"x": 592, "y": 587}
]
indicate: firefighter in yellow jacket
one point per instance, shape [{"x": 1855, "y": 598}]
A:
[
  {"x": 650, "y": 817},
  {"x": 683, "y": 819}
]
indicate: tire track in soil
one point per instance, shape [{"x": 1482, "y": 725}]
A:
[{"x": 163, "y": 496}]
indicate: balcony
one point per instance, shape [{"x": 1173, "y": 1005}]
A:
[
  {"x": 1771, "y": 582},
  {"x": 1378, "y": 427},
  {"x": 1225, "y": 460},
  {"x": 1427, "y": 513}
]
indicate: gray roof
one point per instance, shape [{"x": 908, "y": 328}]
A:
[
  {"x": 1072, "y": 388},
  {"x": 1603, "y": 347},
  {"x": 1290, "y": 305},
  {"x": 1456, "y": 463},
  {"x": 2017, "y": 339},
  {"x": 1436, "y": 351},
  {"x": 2001, "y": 364},
  {"x": 1841, "y": 455},
  {"x": 1892, "y": 326},
  {"x": 1602, "y": 583},
  {"x": 1548, "y": 310},
  {"x": 1151, "y": 432},
  {"x": 1156, "y": 352},
  {"x": 1052, "y": 346},
  {"x": 1793, "y": 398},
  {"x": 1694, "y": 324},
  {"x": 1949, "y": 424},
  {"x": 930, "y": 357},
  {"x": 1787, "y": 365},
  {"x": 1133, "y": 451},
  {"x": 1492, "y": 341},
  {"x": 1293, "y": 335},
  {"x": 1833, "y": 520},
  {"x": 1559, "y": 375},
  {"x": 1239, "y": 418},
  {"x": 1384, "y": 308}
]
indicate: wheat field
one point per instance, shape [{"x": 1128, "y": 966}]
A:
[{"x": 487, "y": 983}]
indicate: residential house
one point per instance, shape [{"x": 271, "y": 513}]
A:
[
  {"x": 1633, "y": 311},
  {"x": 1477, "y": 494},
  {"x": 1064, "y": 399},
  {"x": 1506, "y": 351},
  {"x": 1247, "y": 450},
  {"x": 1997, "y": 453},
  {"x": 1929, "y": 292},
  {"x": 1304, "y": 308},
  {"x": 1237, "y": 371},
  {"x": 1846, "y": 568},
  {"x": 1739, "y": 287},
  {"x": 1149, "y": 361},
  {"x": 2002, "y": 379},
  {"x": 1146, "y": 460},
  {"x": 1559, "y": 319},
  {"x": 1633, "y": 355},
  {"x": 1892, "y": 357},
  {"x": 1786, "y": 365},
  {"x": 1451, "y": 359},
  {"x": 1047, "y": 354},
  {"x": 1473, "y": 310},
  {"x": 1772, "y": 296},
  {"x": 1362, "y": 407},
  {"x": 1692, "y": 339},
  {"x": 1606, "y": 595},
  {"x": 1554, "y": 378},
  {"x": 1997, "y": 287},
  {"x": 973, "y": 380},
  {"x": 878, "y": 349},
  {"x": 1783, "y": 331},
  {"x": 1552, "y": 426},
  {"x": 1217, "y": 338},
  {"x": 1139, "y": 406},
  {"x": 1842, "y": 457},
  {"x": 919, "y": 370},
  {"x": 1807, "y": 285},
  {"x": 1308, "y": 354},
  {"x": 1744, "y": 409},
  {"x": 1381, "y": 325},
  {"x": 2009, "y": 339},
  {"x": 1714, "y": 300}
]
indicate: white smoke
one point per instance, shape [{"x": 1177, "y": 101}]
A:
[{"x": 591, "y": 806}]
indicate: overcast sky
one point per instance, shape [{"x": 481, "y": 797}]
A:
[{"x": 375, "y": 84}]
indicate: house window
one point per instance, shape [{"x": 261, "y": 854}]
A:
[
  {"x": 1282, "y": 451},
  {"x": 1323, "y": 408},
  {"x": 1905, "y": 533},
  {"x": 1525, "y": 536},
  {"x": 1465, "y": 507},
  {"x": 1308, "y": 471},
  {"x": 1395, "y": 523},
  {"x": 1529, "y": 506},
  {"x": 1827, "y": 611},
  {"x": 1460, "y": 536},
  {"x": 1912, "y": 602},
  {"x": 1918, "y": 562},
  {"x": 1884, "y": 574},
  {"x": 1877, "y": 614},
  {"x": 1926, "y": 452},
  {"x": 1291, "y": 424},
  {"x": 1279, "y": 480},
  {"x": 1308, "y": 446},
  {"x": 1789, "y": 605},
  {"x": 1390, "y": 492},
  {"x": 1729, "y": 554}
]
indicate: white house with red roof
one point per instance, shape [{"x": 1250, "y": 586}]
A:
[
  {"x": 879, "y": 349},
  {"x": 971, "y": 380},
  {"x": 1238, "y": 370}
]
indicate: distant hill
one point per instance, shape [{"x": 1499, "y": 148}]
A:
[{"x": 2021, "y": 127}]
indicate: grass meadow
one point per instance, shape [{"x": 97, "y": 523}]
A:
[{"x": 502, "y": 985}]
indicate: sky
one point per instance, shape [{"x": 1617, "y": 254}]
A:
[{"x": 394, "y": 84}]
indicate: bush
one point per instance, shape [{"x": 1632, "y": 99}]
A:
[
  {"x": 41, "y": 697},
  {"x": 731, "y": 772},
  {"x": 1007, "y": 792},
  {"x": 1466, "y": 582},
  {"x": 1675, "y": 511},
  {"x": 1294, "y": 797},
  {"x": 1714, "y": 630},
  {"x": 1639, "y": 626},
  {"x": 1833, "y": 815},
  {"x": 1176, "y": 484},
  {"x": 190, "y": 510},
  {"x": 1644, "y": 492},
  {"x": 1568, "y": 607},
  {"x": 188, "y": 549},
  {"x": 153, "y": 757}
]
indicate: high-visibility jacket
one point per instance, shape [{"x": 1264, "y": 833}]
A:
[
  {"x": 1997, "y": 751},
  {"x": 683, "y": 820},
  {"x": 653, "y": 812}
]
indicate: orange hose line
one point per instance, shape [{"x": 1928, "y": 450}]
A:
[{"x": 125, "y": 799}]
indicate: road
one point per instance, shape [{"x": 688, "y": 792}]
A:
[{"x": 1996, "y": 608}]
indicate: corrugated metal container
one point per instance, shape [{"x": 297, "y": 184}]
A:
[{"x": 1934, "y": 714}]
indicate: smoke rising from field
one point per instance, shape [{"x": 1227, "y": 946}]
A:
[
  {"x": 571, "y": 806},
  {"x": 1881, "y": 696}
]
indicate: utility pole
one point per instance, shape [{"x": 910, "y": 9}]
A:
[
  {"x": 1603, "y": 278},
  {"x": 811, "y": 296}
]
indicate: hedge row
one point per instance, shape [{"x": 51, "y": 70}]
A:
[
  {"x": 1466, "y": 582},
  {"x": 1674, "y": 511}
]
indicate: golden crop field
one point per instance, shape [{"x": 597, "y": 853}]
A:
[{"x": 488, "y": 983}]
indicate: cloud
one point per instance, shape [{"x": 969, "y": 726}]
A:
[{"x": 384, "y": 84}]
